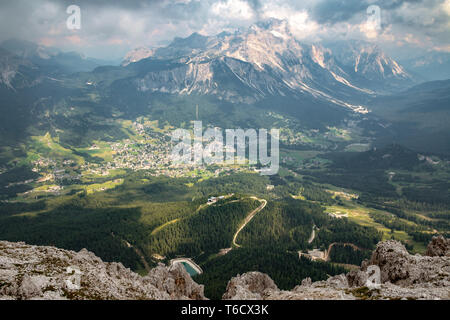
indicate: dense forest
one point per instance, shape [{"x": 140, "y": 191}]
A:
[
  {"x": 347, "y": 254},
  {"x": 206, "y": 231},
  {"x": 285, "y": 268},
  {"x": 169, "y": 217},
  {"x": 288, "y": 224},
  {"x": 76, "y": 229}
]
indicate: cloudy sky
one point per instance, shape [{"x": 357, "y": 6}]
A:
[{"x": 110, "y": 28}]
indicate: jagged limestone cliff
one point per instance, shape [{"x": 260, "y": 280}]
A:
[
  {"x": 400, "y": 276},
  {"x": 34, "y": 272}
]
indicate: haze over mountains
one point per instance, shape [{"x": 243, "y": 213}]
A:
[
  {"x": 433, "y": 66},
  {"x": 262, "y": 67},
  {"x": 52, "y": 60},
  {"x": 420, "y": 115}
]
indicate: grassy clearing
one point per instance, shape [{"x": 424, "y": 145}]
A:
[
  {"x": 49, "y": 147},
  {"x": 99, "y": 149},
  {"x": 99, "y": 187},
  {"x": 338, "y": 134},
  {"x": 357, "y": 147},
  {"x": 299, "y": 156},
  {"x": 360, "y": 215},
  {"x": 90, "y": 176}
]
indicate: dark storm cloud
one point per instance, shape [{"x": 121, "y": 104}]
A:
[{"x": 337, "y": 10}]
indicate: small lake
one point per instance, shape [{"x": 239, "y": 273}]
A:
[{"x": 189, "y": 269}]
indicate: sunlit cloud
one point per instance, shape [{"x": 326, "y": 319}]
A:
[
  {"x": 446, "y": 7},
  {"x": 299, "y": 21},
  {"x": 115, "y": 27},
  {"x": 233, "y": 9}
]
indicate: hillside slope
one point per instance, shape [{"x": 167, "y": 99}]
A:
[{"x": 418, "y": 117}]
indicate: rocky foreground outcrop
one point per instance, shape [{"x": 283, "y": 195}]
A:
[
  {"x": 391, "y": 273},
  {"x": 34, "y": 272}
]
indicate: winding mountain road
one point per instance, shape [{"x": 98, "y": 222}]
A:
[
  {"x": 249, "y": 218},
  {"x": 313, "y": 234},
  {"x": 345, "y": 244},
  {"x": 138, "y": 252}
]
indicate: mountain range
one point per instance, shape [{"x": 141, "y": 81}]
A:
[
  {"x": 429, "y": 67},
  {"x": 51, "y": 61},
  {"x": 418, "y": 117},
  {"x": 266, "y": 60},
  {"x": 236, "y": 78}
]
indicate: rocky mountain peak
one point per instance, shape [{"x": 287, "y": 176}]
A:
[
  {"x": 439, "y": 247},
  {"x": 267, "y": 60},
  {"x": 276, "y": 27},
  {"x": 28, "y": 50},
  {"x": 402, "y": 276},
  {"x": 194, "y": 41},
  {"x": 136, "y": 55},
  {"x": 36, "y": 272},
  {"x": 369, "y": 60}
]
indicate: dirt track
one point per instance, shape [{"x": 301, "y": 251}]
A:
[
  {"x": 327, "y": 253},
  {"x": 249, "y": 218}
]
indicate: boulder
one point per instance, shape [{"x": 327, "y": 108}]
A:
[{"x": 438, "y": 247}]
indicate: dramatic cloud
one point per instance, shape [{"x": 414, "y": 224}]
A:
[{"x": 112, "y": 27}]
